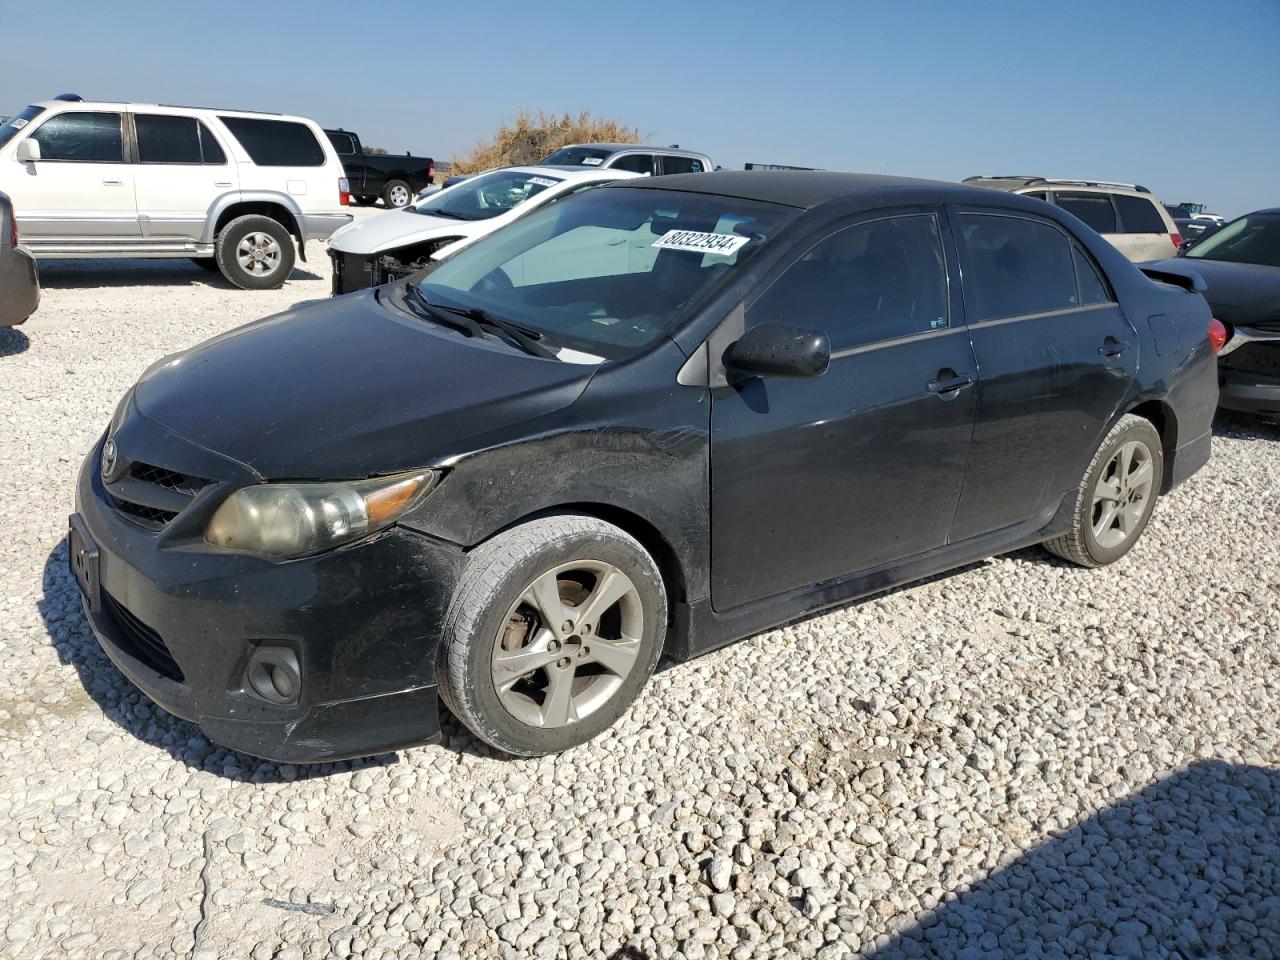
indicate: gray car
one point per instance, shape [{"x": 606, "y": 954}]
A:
[{"x": 19, "y": 281}]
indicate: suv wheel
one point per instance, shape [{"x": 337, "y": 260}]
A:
[
  {"x": 255, "y": 252},
  {"x": 1116, "y": 496},
  {"x": 397, "y": 194},
  {"x": 553, "y": 630}
]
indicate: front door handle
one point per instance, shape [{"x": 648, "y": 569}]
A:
[
  {"x": 1111, "y": 348},
  {"x": 948, "y": 383},
  {"x": 112, "y": 182}
]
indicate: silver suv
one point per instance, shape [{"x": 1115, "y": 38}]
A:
[
  {"x": 654, "y": 161},
  {"x": 1128, "y": 216}
]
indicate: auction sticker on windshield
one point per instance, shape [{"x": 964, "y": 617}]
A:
[
  {"x": 694, "y": 241},
  {"x": 543, "y": 181}
]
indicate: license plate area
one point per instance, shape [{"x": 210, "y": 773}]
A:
[{"x": 85, "y": 562}]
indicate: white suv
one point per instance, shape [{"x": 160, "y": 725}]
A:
[
  {"x": 230, "y": 189},
  {"x": 1128, "y": 216}
]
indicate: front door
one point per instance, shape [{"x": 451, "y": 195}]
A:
[
  {"x": 816, "y": 479},
  {"x": 81, "y": 188},
  {"x": 182, "y": 171},
  {"x": 1057, "y": 357}
]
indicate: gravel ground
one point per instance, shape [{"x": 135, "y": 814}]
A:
[{"x": 1020, "y": 759}]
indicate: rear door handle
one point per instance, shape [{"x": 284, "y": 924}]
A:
[
  {"x": 949, "y": 383},
  {"x": 1111, "y": 347},
  {"x": 222, "y": 183},
  {"x": 112, "y": 182}
]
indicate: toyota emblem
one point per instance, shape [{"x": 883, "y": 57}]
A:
[{"x": 108, "y": 457}]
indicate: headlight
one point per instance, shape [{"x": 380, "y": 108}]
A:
[{"x": 287, "y": 520}]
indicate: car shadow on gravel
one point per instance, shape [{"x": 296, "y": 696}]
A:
[
  {"x": 85, "y": 274},
  {"x": 1188, "y": 867},
  {"x": 127, "y": 707},
  {"x": 1243, "y": 426},
  {"x": 13, "y": 341}
]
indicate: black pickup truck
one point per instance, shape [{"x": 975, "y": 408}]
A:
[{"x": 372, "y": 175}]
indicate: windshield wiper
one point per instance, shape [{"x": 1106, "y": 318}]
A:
[
  {"x": 440, "y": 213},
  {"x": 522, "y": 337},
  {"x": 461, "y": 323}
]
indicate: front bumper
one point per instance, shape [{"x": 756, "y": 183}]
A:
[
  {"x": 181, "y": 621},
  {"x": 19, "y": 286},
  {"x": 1249, "y": 374}
]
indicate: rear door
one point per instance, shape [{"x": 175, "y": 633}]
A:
[
  {"x": 181, "y": 171},
  {"x": 1144, "y": 228},
  {"x": 83, "y": 186},
  {"x": 817, "y": 479},
  {"x": 1056, "y": 357}
]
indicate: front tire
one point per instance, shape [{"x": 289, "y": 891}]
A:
[
  {"x": 255, "y": 252},
  {"x": 1114, "y": 500},
  {"x": 554, "y": 628},
  {"x": 396, "y": 194}
]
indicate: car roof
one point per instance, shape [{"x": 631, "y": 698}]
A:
[
  {"x": 131, "y": 105},
  {"x": 568, "y": 173},
  {"x": 810, "y": 188},
  {"x": 1016, "y": 182},
  {"x": 620, "y": 147}
]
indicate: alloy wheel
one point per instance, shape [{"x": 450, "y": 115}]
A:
[
  {"x": 1121, "y": 495},
  {"x": 258, "y": 254},
  {"x": 567, "y": 644},
  {"x": 399, "y": 196}
]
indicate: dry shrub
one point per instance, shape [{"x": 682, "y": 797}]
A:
[{"x": 528, "y": 138}]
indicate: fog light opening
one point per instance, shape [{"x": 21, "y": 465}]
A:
[{"x": 274, "y": 675}]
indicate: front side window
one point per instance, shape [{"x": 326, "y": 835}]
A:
[
  {"x": 1017, "y": 266},
  {"x": 170, "y": 139},
  {"x": 18, "y": 122},
  {"x": 1253, "y": 238},
  {"x": 608, "y": 271},
  {"x": 576, "y": 157},
  {"x": 488, "y": 195},
  {"x": 1093, "y": 208},
  {"x": 81, "y": 137},
  {"x": 682, "y": 165},
  {"x": 1139, "y": 215},
  {"x": 276, "y": 143},
  {"x": 866, "y": 283},
  {"x": 635, "y": 162}
]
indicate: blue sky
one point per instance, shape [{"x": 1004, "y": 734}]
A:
[{"x": 1181, "y": 96}]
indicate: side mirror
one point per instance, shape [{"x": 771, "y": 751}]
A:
[
  {"x": 772, "y": 350},
  {"x": 29, "y": 150}
]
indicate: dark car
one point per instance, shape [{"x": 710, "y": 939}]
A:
[
  {"x": 648, "y": 419},
  {"x": 1190, "y": 228},
  {"x": 19, "y": 279},
  {"x": 1240, "y": 264},
  {"x": 372, "y": 176}
]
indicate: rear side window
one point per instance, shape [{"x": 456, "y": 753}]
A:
[
  {"x": 344, "y": 143},
  {"x": 636, "y": 163},
  {"x": 1017, "y": 266},
  {"x": 1093, "y": 289},
  {"x": 1093, "y": 208},
  {"x": 682, "y": 165},
  {"x": 168, "y": 139},
  {"x": 868, "y": 282},
  {"x": 81, "y": 137},
  {"x": 1138, "y": 215},
  {"x": 276, "y": 143}
]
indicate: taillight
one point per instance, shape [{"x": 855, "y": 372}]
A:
[
  {"x": 1218, "y": 334},
  {"x": 1176, "y": 237},
  {"x": 344, "y": 191},
  {"x": 431, "y": 172}
]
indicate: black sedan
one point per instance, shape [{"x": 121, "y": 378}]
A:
[
  {"x": 19, "y": 279},
  {"x": 649, "y": 419},
  {"x": 1240, "y": 264}
]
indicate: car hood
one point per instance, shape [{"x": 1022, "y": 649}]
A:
[
  {"x": 395, "y": 228},
  {"x": 1239, "y": 293},
  {"x": 349, "y": 388}
]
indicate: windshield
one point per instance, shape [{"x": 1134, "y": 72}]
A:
[
  {"x": 576, "y": 157},
  {"x": 1254, "y": 238},
  {"x": 17, "y": 122},
  {"x": 485, "y": 196},
  {"x": 608, "y": 271}
]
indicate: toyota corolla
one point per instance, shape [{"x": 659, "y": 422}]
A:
[{"x": 648, "y": 420}]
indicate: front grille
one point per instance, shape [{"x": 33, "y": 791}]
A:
[
  {"x": 152, "y": 496},
  {"x": 1262, "y": 358},
  {"x": 140, "y": 641},
  {"x": 150, "y": 517},
  {"x": 161, "y": 477},
  {"x": 1271, "y": 326}
]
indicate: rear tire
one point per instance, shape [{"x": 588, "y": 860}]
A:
[
  {"x": 255, "y": 252},
  {"x": 554, "y": 628},
  {"x": 396, "y": 194},
  {"x": 1114, "y": 500}
]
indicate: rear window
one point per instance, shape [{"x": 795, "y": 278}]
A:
[
  {"x": 1093, "y": 208},
  {"x": 1138, "y": 215},
  {"x": 344, "y": 143},
  {"x": 1017, "y": 266},
  {"x": 682, "y": 165},
  {"x": 81, "y": 138},
  {"x": 169, "y": 139},
  {"x": 14, "y": 125},
  {"x": 276, "y": 143}
]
